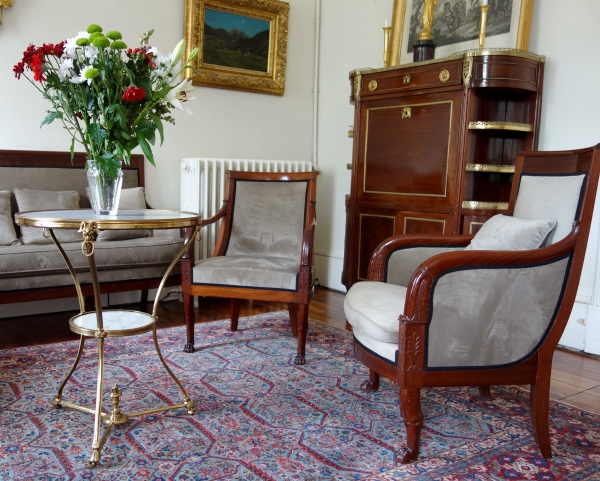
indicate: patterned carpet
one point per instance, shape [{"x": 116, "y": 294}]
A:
[{"x": 259, "y": 417}]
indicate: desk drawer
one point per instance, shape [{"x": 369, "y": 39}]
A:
[{"x": 412, "y": 78}]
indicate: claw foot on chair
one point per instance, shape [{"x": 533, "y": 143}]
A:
[
  {"x": 189, "y": 347},
  {"x": 368, "y": 386},
  {"x": 404, "y": 456},
  {"x": 300, "y": 361}
]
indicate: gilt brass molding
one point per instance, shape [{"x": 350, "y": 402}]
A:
[
  {"x": 475, "y": 204},
  {"x": 514, "y": 126},
  {"x": 4, "y": 4},
  {"x": 444, "y": 76},
  {"x": 501, "y": 169},
  {"x": 467, "y": 70},
  {"x": 373, "y": 85}
]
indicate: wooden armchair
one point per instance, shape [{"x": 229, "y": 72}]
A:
[
  {"x": 479, "y": 317},
  {"x": 264, "y": 249}
]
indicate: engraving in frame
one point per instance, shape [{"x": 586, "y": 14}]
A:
[
  {"x": 406, "y": 113},
  {"x": 247, "y": 73},
  {"x": 424, "y": 219},
  {"x": 444, "y": 76},
  {"x": 406, "y": 79},
  {"x": 514, "y": 126},
  {"x": 475, "y": 204},
  {"x": 360, "y": 218},
  {"x": 373, "y": 85},
  {"x": 447, "y": 152}
]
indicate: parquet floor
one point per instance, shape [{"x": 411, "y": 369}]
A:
[{"x": 575, "y": 378}]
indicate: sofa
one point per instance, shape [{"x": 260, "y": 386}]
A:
[{"x": 31, "y": 270}]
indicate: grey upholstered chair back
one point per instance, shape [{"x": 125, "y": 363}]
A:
[
  {"x": 268, "y": 218},
  {"x": 550, "y": 197}
]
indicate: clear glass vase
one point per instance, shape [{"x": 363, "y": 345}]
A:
[{"x": 104, "y": 190}]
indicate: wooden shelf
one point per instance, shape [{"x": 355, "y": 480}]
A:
[
  {"x": 477, "y": 205},
  {"x": 501, "y": 169},
  {"x": 513, "y": 126}
]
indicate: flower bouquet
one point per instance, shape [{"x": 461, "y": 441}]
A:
[{"x": 110, "y": 98}]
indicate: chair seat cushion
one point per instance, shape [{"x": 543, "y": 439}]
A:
[
  {"x": 373, "y": 308},
  {"x": 259, "y": 272}
]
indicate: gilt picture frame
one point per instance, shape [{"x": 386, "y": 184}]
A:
[
  {"x": 242, "y": 44},
  {"x": 456, "y": 26}
]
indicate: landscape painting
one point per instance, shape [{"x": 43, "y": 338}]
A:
[{"x": 236, "y": 41}]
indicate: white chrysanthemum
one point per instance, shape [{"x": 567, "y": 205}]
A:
[
  {"x": 82, "y": 78},
  {"x": 91, "y": 52},
  {"x": 65, "y": 69},
  {"x": 71, "y": 44}
]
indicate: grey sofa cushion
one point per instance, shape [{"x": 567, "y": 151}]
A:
[
  {"x": 23, "y": 261},
  {"x": 29, "y": 200},
  {"x": 248, "y": 271},
  {"x": 8, "y": 235},
  {"x": 131, "y": 199},
  {"x": 504, "y": 233}
]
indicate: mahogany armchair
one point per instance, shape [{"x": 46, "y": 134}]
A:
[
  {"x": 435, "y": 314},
  {"x": 264, "y": 249}
]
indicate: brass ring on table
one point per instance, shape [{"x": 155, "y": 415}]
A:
[{"x": 45, "y": 233}]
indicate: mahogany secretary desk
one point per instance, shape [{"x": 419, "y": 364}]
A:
[{"x": 434, "y": 146}]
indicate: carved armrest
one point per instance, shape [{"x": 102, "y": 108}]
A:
[
  {"x": 306, "y": 258},
  {"x": 378, "y": 265},
  {"x": 215, "y": 217}
]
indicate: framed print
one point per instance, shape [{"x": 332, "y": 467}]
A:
[
  {"x": 242, "y": 44},
  {"x": 456, "y": 26}
]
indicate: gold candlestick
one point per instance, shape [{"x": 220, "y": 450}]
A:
[
  {"x": 484, "y": 13},
  {"x": 386, "y": 42}
]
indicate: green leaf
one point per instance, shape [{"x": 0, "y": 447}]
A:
[
  {"x": 51, "y": 117},
  {"x": 145, "y": 146},
  {"x": 159, "y": 126},
  {"x": 97, "y": 134}
]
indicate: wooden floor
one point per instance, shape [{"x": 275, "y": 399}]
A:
[{"x": 575, "y": 379}]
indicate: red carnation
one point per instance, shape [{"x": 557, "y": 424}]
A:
[
  {"x": 133, "y": 94},
  {"x": 37, "y": 63},
  {"x": 18, "y": 69}
]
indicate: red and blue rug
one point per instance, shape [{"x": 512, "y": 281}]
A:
[{"x": 260, "y": 417}]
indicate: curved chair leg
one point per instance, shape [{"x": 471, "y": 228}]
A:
[
  {"x": 372, "y": 384},
  {"x": 302, "y": 331},
  {"x": 410, "y": 399},
  {"x": 485, "y": 393},
  {"x": 235, "y": 314},
  {"x": 293, "y": 310},
  {"x": 190, "y": 318},
  {"x": 540, "y": 403}
]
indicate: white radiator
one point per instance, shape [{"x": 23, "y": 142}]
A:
[{"x": 203, "y": 181}]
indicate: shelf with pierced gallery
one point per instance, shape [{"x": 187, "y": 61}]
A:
[{"x": 101, "y": 324}]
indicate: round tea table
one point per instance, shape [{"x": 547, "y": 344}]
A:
[{"x": 110, "y": 323}]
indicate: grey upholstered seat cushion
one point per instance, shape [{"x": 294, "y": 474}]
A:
[
  {"x": 248, "y": 271},
  {"x": 31, "y": 200},
  {"x": 8, "y": 235},
  {"x": 30, "y": 266},
  {"x": 373, "y": 309}
]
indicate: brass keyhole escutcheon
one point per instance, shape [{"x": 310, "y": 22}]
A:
[
  {"x": 444, "y": 76},
  {"x": 373, "y": 85},
  {"x": 406, "y": 113},
  {"x": 406, "y": 79}
]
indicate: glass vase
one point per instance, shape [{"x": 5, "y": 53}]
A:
[{"x": 104, "y": 190}]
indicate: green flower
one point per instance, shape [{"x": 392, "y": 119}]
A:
[
  {"x": 82, "y": 42},
  {"x": 95, "y": 35},
  {"x": 118, "y": 45},
  {"x": 101, "y": 42},
  {"x": 91, "y": 73},
  {"x": 114, "y": 35},
  {"x": 94, "y": 28}
]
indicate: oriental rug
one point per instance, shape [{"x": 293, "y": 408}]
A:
[{"x": 260, "y": 417}]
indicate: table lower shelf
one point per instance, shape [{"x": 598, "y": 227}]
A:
[{"x": 116, "y": 323}]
